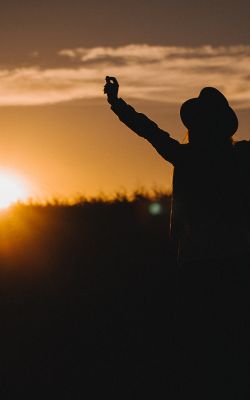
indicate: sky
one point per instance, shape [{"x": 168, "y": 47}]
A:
[{"x": 58, "y": 134}]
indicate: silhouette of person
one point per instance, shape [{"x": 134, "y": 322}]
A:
[{"x": 210, "y": 220}]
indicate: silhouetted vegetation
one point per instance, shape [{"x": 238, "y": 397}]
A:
[{"x": 89, "y": 299}]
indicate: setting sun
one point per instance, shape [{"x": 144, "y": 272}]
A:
[{"x": 11, "y": 190}]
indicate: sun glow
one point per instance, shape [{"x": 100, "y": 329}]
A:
[{"x": 11, "y": 190}]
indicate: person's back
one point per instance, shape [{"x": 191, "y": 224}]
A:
[{"x": 208, "y": 217}]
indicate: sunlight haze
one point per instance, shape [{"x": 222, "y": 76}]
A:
[
  {"x": 57, "y": 128},
  {"x": 12, "y": 190}
]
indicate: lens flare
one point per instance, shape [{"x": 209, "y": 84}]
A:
[{"x": 155, "y": 208}]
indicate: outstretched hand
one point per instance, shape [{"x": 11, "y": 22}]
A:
[{"x": 111, "y": 89}]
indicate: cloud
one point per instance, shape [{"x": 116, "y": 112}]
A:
[
  {"x": 159, "y": 73},
  {"x": 34, "y": 54}
]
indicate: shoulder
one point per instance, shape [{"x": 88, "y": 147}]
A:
[
  {"x": 242, "y": 150},
  {"x": 242, "y": 145},
  {"x": 182, "y": 153},
  {"x": 242, "y": 155}
]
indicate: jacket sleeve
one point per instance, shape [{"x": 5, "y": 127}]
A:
[{"x": 167, "y": 147}]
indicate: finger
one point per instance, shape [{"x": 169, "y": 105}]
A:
[
  {"x": 107, "y": 79},
  {"x": 106, "y": 87}
]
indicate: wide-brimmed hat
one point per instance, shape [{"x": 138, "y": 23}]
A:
[{"x": 209, "y": 111}]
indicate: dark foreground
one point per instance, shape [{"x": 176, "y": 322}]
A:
[{"x": 92, "y": 307}]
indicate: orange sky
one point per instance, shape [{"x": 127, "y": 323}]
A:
[{"x": 57, "y": 132}]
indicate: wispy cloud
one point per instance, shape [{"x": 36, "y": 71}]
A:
[{"x": 160, "y": 73}]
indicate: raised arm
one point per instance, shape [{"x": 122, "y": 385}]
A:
[{"x": 167, "y": 147}]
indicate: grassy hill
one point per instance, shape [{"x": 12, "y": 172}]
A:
[{"x": 89, "y": 299}]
